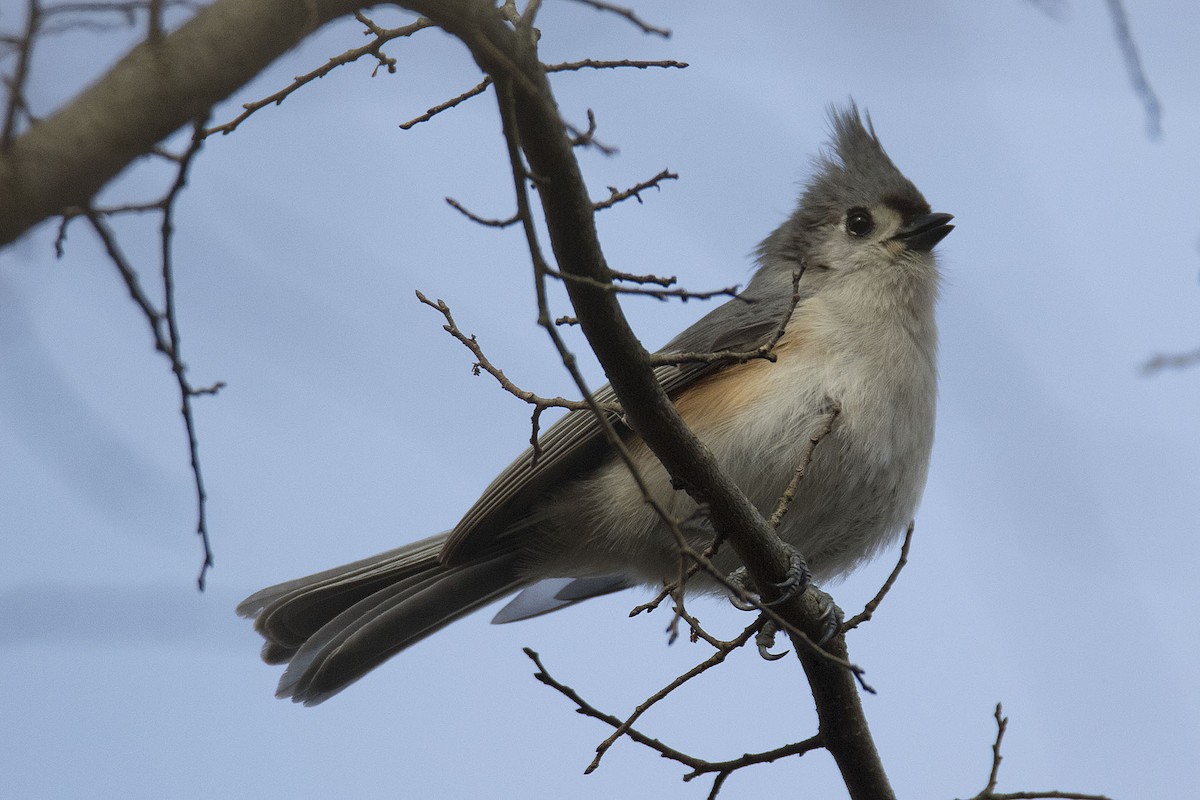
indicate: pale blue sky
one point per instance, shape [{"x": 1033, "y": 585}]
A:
[{"x": 1054, "y": 566}]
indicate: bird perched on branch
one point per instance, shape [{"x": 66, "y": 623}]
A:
[{"x": 861, "y": 337}]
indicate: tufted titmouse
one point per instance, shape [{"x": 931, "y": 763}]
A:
[{"x": 573, "y": 525}]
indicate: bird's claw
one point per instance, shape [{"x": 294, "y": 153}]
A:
[
  {"x": 765, "y": 640},
  {"x": 797, "y": 580},
  {"x": 831, "y": 618},
  {"x": 741, "y": 581}
]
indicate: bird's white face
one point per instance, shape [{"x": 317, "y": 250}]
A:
[{"x": 864, "y": 237}]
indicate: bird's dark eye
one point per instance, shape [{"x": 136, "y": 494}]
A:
[{"x": 859, "y": 222}]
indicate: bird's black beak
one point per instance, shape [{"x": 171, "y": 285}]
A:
[{"x": 925, "y": 231}]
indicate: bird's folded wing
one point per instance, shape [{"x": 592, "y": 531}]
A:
[{"x": 575, "y": 444}]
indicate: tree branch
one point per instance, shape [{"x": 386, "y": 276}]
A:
[
  {"x": 159, "y": 87},
  {"x": 989, "y": 792},
  {"x": 510, "y": 57}
]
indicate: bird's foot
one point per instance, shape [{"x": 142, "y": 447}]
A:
[
  {"x": 765, "y": 640},
  {"x": 830, "y": 617},
  {"x": 797, "y": 579}
]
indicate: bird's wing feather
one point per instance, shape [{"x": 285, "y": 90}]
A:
[{"x": 575, "y": 444}]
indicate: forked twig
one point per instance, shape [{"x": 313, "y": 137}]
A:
[
  {"x": 164, "y": 325},
  {"x": 989, "y": 792}
]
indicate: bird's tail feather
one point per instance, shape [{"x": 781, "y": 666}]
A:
[{"x": 334, "y": 627}]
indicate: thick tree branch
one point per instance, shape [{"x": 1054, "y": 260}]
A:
[
  {"x": 159, "y": 87},
  {"x": 509, "y": 55}
]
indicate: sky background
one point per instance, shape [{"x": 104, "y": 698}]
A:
[{"x": 1055, "y": 561}]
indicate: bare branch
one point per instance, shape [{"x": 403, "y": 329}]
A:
[
  {"x": 588, "y": 138},
  {"x": 1001, "y": 727},
  {"x": 477, "y": 89},
  {"x": 541, "y": 270},
  {"x": 598, "y": 63},
  {"x": 989, "y": 792},
  {"x": 698, "y": 766},
  {"x": 632, "y": 278},
  {"x": 589, "y": 710},
  {"x": 764, "y": 351},
  {"x": 723, "y": 649},
  {"x": 17, "y": 103},
  {"x": 137, "y": 103},
  {"x": 154, "y": 21},
  {"x": 372, "y": 48},
  {"x": 483, "y": 363},
  {"x": 1055, "y": 9},
  {"x": 1137, "y": 73},
  {"x": 532, "y": 127},
  {"x": 672, "y": 588},
  {"x": 785, "y": 500},
  {"x": 616, "y": 197},
  {"x": 164, "y": 327},
  {"x": 869, "y": 610},
  {"x": 491, "y": 223},
  {"x": 765, "y": 757},
  {"x": 634, "y": 191},
  {"x": 186, "y": 392},
  {"x": 568, "y": 66},
  {"x": 628, "y": 14},
  {"x": 1164, "y": 361},
  {"x": 129, "y": 276},
  {"x": 657, "y": 294}
]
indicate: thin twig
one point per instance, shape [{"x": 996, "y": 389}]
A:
[
  {"x": 566, "y": 66},
  {"x": 632, "y": 278},
  {"x": 616, "y": 197},
  {"x": 693, "y": 623},
  {"x": 1164, "y": 361},
  {"x": 698, "y": 766},
  {"x": 634, "y": 192},
  {"x": 129, "y": 276},
  {"x": 483, "y": 363},
  {"x": 621, "y": 63},
  {"x": 989, "y": 792},
  {"x": 628, "y": 14},
  {"x": 186, "y": 392},
  {"x": 1001, "y": 727},
  {"x": 657, "y": 294},
  {"x": 491, "y": 223},
  {"x": 16, "y": 83},
  {"x": 541, "y": 270},
  {"x": 589, "y": 710},
  {"x": 164, "y": 325},
  {"x": 764, "y": 351},
  {"x": 382, "y": 36},
  {"x": 721, "y": 653},
  {"x": 718, "y": 782},
  {"x": 477, "y": 89},
  {"x": 588, "y": 138},
  {"x": 869, "y": 609},
  {"x": 1137, "y": 73},
  {"x": 806, "y": 457},
  {"x": 671, "y": 588},
  {"x": 154, "y": 21}
]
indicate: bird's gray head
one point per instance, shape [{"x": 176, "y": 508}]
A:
[{"x": 857, "y": 211}]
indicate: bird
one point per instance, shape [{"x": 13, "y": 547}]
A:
[{"x": 859, "y": 334}]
